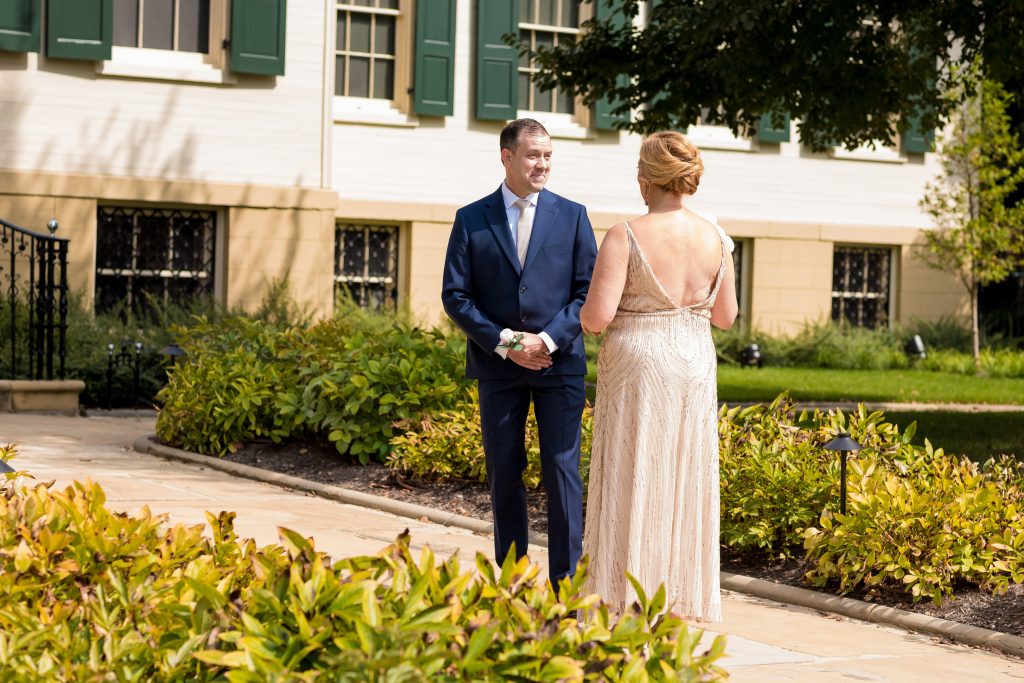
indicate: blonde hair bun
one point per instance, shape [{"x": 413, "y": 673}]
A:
[{"x": 669, "y": 160}]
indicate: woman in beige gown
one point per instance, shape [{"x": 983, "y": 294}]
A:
[{"x": 659, "y": 284}]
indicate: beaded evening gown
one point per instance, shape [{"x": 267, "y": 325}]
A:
[{"x": 652, "y": 505}]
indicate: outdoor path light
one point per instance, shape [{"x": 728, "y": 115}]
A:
[
  {"x": 751, "y": 355},
  {"x": 844, "y": 444},
  {"x": 914, "y": 348},
  {"x": 5, "y": 468}
]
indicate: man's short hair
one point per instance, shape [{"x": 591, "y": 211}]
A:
[{"x": 510, "y": 133}]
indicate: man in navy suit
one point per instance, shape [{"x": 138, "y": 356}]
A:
[{"x": 519, "y": 262}]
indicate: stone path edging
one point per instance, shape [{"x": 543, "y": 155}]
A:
[{"x": 769, "y": 590}]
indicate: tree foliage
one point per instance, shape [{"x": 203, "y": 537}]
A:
[
  {"x": 850, "y": 72},
  {"x": 979, "y": 228}
]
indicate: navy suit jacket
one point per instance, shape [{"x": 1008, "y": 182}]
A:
[{"x": 485, "y": 290}]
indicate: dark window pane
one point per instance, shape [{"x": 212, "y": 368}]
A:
[
  {"x": 363, "y": 3},
  {"x": 353, "y": 253},
  {"x": 114, "y": 241},
  {"x": 111, "y": 290},
  {"x": 383, "y": 79},
  {"x": 524, "y": 60},
  {"x": 566, "y": 103},
  {"x": 126, "y": 23},
  {"x": 359, "y": 77},
  {"x": 570, "y": 13},
  {"x": 524, "y": 91},
  {"x": 545, "y": 39},
  {"x": 526, "y": 11},
  {"x": 359, "y": 32},
  {"x": 388, "y": 4},
  {"x": 384, "y": 36},
  {"x": 194, "y": 25},
  {"x": 379, "y": 261},
  {"x": 339, "y": 41},
  {"x": 153, "y": 242},
  {"x": 339, "y": 75},
  {"x": 546, "y": 12},
  {"x": 158, "y": 24},
  {"x": 541, "y": 99}
]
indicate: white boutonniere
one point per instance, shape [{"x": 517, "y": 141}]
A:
[{"x": 511, "y": 340}]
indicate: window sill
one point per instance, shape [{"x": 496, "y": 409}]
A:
[
  {"x": 863, "y": 153},
  {"x": 719, "y": 137},
  {"x": 560, "y": 126},
  {"x": 371, "y": 112},
  {"x": 163, "y": 65}
]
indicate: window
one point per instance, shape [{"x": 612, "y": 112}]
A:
[
  {"x": 861, "y": 279},
  {"x": 163, "y": 254},
  {"x": 365, "y": 49},
  {"x": 545, "y": 23},
  {"x": 366, "y": 264},
  {"x": 180, "y": 25}
]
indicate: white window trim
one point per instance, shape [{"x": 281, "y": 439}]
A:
[
  {"x": 371, "y": 111},
  {"x": 880, "y": 153},
  {"x": 162, "y": 65},
  {"x": 719, "y": 137},
  {"x": 561, "y": 126}
]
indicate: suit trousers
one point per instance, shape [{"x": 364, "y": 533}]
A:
[{"x": 558, "y": 402}]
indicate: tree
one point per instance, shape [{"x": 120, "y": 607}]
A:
[
  {"x": 979, "y": 229},
  {"x": 850, "y": 72}
]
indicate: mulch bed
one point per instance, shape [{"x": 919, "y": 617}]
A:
[{"x": 320, "y": 462}]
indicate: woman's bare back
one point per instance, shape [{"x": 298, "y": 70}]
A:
[{"x": 684, "y": 251}]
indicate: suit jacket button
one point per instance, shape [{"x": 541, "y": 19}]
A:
[{"x": 522, "y": 290}]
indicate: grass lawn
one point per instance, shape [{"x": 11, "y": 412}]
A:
[
  {"x": 816, "y": 384},
  {"x": 977, "y": 435}
]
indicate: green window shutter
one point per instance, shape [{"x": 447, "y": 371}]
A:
[
  {"x": 766, "y": 132},
  {"x": 257, "y": 36},
  {"x": 19, "y": 25},
  {"x": 79, "y": 29},
  {"x": 433, "y": 86},
  {"x": 604, "y": 119},
  {"x": 916, "y": 141},
  {"x": 497, "y": 64}
]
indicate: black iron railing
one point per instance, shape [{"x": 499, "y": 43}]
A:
[{"x": 33, "y": 302}]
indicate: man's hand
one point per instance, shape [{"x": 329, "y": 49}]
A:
[{"x": 534, "y": 354}]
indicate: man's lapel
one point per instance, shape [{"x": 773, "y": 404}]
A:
[
  {"x": 543, "y": 222},
  {"x": 498, "y": 220}
]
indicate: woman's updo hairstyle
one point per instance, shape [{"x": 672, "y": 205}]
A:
[{"x": 669, "y": 160}]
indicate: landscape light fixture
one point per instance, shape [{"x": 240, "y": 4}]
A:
[
  {"x": 5, "y": 468},
  {"x": 914, "y": 348},
  {"x": 844, "y": 444},
  {"x": 751, "y": 356}
]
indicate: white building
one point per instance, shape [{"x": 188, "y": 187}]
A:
[{"x": 215, "y": 145}]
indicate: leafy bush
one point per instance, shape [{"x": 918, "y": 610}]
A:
[
  {"x": 89, "y": 594},
  {"x": 448, "y": 444},
  {"x": 347, "y": 379},
  {"x": 917, "y": 519},
  {"x": 825, "y": 345},
  {"x": 945, "y": 333}
]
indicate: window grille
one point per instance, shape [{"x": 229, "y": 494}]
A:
[
  {"x": 366, "y": 265},
  {"x": 365, "y": 49},
  {"x": 181, "y": 25},
  {"x": 861, "y": 281},
  {"x": 545, "y": 23},
  {"x": 738, "y": 267},
  {"x": 163, "y": 254}
]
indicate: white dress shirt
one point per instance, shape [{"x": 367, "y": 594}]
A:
[{"x": 512, "y": 214}]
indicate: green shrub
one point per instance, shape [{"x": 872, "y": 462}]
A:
[
  {"x": 448, "y": 444},
  {"x": 348, "y": 379},
  {"x": 994, "y": 362},
  {"x": 225, "y": 392},
  {"x": 945, "y": 333},
  {"x": 917, "y": 520},
  {"x": 922, "y": 527},
  {"x": 90, "y": 594}
]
